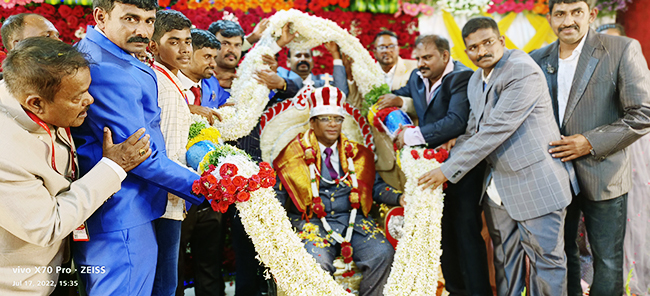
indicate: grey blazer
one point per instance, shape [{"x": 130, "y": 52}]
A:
[
  {"x": 609, "y": 104},
  {"x": 510, "y": 125}
]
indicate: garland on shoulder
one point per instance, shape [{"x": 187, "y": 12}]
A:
[{"x": 417, "y": 258}]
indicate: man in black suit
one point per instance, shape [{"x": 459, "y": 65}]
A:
[{"x": 439, "y": 91}]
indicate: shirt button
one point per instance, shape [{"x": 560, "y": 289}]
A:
[
  {"x": 332, "y": 199},
  {"x": 326, "y": 190},
  {"x": 332, "y": 213}
]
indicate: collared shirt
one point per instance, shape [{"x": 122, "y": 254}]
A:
[
  {"x": 388, "y": 77},
  {"x": 565, "y": 72},
  {"x": 186, "y": 84},
  {"x": 492, "y": 192},
  {"x": 413, "y": 136},
  {"x": 336, "y": 163},
  {"x": 175, "y": 121}
]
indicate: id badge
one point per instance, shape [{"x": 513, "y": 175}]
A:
[{"x": 81, "y": 234}]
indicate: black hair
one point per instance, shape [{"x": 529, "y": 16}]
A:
[
  {"x": 167, "y": 21},
  {"x": 551, "y": 3},
  {"x": 108, "y": 5},
  {"x": 227, "y": 29},
  {"x": 311, "y": 52},
  {"x": 203, "y": 38},
  {"x": 12, "y": 27},
  {"x": 38, "y": 64},
  {"x": 385, "y": 33},
  {"x": 478, "y": 23},
  {"x": 441, "y": 43},
  {"x": 606, "y": 27}
]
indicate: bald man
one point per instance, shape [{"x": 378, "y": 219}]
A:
[{"x": 24, "y": 25}]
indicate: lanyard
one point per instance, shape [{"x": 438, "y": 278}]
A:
[
  {"x": 172, "y": 80},
  {"x": 47, "y": 129}
]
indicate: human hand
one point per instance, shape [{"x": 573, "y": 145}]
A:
[
  {"x": 206, "y": 112},
  {"x": 287, "y": 36},
  {"x": 257, "y": 31},
  {"x": 399, "y": 139},
  {"x": 402, "y": 202},
  {"x": 128, "y": 154},
  {"x": 333, "y": 49},
  {"x": 432, "y": 179},
  {"x": 570, "y": 147},
  {"x": 347, "y": 63},
  {"x": 225, "y": 78},
  {"x": 449, "y": 144},
  {"x": 270, "y": 60},
  {"x": 389, "y": 100},
  {"x": 271, "y": 79}
]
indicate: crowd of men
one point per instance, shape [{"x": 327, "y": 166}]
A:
[{"x": 535, "y": 140}]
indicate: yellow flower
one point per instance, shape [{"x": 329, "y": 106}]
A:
[{"x": 210, "y": 134}]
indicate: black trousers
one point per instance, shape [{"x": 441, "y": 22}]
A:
[{"x": 464, "y": 257}]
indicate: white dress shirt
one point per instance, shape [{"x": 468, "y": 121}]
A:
[
  {"x": 186, "y": 84},
  {"x": 492, "y": 192},
  {"x": 565, "y": 72},
  {"x": 336, "y": 163},
  {"x": 413, "y": 136},
  {"x": 388, "y": 77}
]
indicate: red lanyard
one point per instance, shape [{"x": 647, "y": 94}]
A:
[
  {"x": 47, "y": 129},
  {"x": 172, "y": 80}
]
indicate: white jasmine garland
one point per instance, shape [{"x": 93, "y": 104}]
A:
[
  {"x": 250, "y": 97},
  {"x": 465, "y": 7},
  {"x": 417, "y": 258}
]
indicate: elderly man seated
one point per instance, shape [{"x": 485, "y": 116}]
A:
[{"x": 329, "y": 180}]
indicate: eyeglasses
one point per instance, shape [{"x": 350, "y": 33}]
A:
[
  {"x": 328, "y": 119},
  {"x": 386, "y": 47}
]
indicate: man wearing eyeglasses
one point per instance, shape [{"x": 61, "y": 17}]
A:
[{"x": 342, "y": 171}]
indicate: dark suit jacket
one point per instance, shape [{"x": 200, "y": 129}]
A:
[
  {"x": 609, "y": 104},
  {"x": 446, "y": 116},
  {"x": 212, "y": 94},
  {"x": 339, "y": 75}
]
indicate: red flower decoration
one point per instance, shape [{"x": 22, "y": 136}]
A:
[
  {"x": 253, "y": 185},
  {"x": 319, "y": 210},
  {"x": 228, "y": 170},
  {"x": 429, "y": 153},
  {"x": 225, "y": 182},
  {"x": 442, "y": 155},
  {"x": 348, "y": 150},
  {"x": 268, "y": 182},
  {"x": 197, "y": 187},
  {"x": 243, "y": 196},
  {"x": 415, "y": 154},
  {"x": 231, "y": 189},
  {"x": 239, "y": 182}
]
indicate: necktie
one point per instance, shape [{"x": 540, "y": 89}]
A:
[
  {"x": 484, "y": 85},
  {"x": 197, "y": 95},
  {"x": 328, "y": 163}
]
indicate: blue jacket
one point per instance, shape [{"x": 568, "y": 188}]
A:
[
  {"x": 339, "y": 75},
  {"x": 212, "y": 94},
  {"x": 126, "y": 99}
]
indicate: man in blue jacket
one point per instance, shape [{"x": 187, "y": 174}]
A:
[{"x": 120, "y": 257}]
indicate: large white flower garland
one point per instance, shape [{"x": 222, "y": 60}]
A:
[
  {"x": 250, "y": 97},
  {"x": 417, "y": 258}
]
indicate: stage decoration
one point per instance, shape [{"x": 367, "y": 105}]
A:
[
  {"x": 250, "y": 97},
  {"x": 464, "y": 7},
  {"x": 417, "y": 257}
]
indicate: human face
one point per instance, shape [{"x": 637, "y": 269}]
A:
[
  {"x": 37, "y": 26},
  {"x": 327, "y": 128},
  {"x": 386, "y": 51},
  {"x": 128, "y": 26},
  {"x": 301, "y": 62},
  {"x": 70, "y": 103},
  {"x": 230, "y": 53},
  {"x": 485, "y": 48},
  {"x": 431, "y": 62},
  {"x": 570, "y": 21},
  {"x": 203, "y": 64},
  {"x": 174, "y": 50}
]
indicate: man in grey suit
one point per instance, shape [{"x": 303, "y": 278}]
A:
[
  {"x": 601, "y": 98},
  {"x": 510, "y": 126}
]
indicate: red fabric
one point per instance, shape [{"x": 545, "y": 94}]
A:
[
  {"x": 197, "y": 95},
  {"x": 636, "y": 26}
]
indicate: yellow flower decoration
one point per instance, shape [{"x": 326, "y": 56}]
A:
[{"x": 210, "y": 134}]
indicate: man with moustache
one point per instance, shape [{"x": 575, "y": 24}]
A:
[
  {"x": 24, "y": 25},
  {"x": 438, "y": 89},
  {"x": 301, "y": 63},
  {"x": 42, "y": 198},
  {"x": 600, "y": 87},
  {"x": 510, "y": 126},
  {"x": 122, "y": 251},
  {"x": 199, "y": 84}
]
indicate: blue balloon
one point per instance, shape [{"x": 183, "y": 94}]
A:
[{"x": 197, "y": 152}]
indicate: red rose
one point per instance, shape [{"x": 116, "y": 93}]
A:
[
  {"x": 231, "y": 189},
  {"x": 356, "y": 205},
  {"x": 267, "y": 182},
  {"x": 243, "y": 196},
  {"x": 442, "y": 155},
  {"x": 348, "y": 150},
  {"x": 223, "y": 207},
  {"x": 65, "y": 11},
  {"x": 196, "y": 187},
  {"x": 215, "y": 205},
  {"x": 415, "y": 154},
  {"x": 253, "y": 185},
  {"x": 225, "y": 182},
  {"x": 444, "y": 186},
  {"x": 316, "y": 200},
  {"x": 228, "y": 170},
  {"x": 429, "y": 153},
  {"x": 319, "y": 210},
  {"x": 78, "y": 11},
  {"x": 211, "y": 179},
  {"x": 239, "y": 182}
]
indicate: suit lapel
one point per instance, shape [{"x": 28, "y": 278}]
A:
[
  {"x": 585, "y": 69},
  {"x": 549, "y": 65},
  {"x": 485, "y": 94}
]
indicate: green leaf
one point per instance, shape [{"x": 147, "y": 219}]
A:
[
  {"x": 373, "y": 96},
  {"x": 195, "y": 129}
]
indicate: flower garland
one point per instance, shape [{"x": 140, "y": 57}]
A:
[
  {"x": 250, "y": 97},
  {"x": 417, "y": 258},
  {"x": 464, "y": 7},
  {"x": 319, "y": 208}
]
